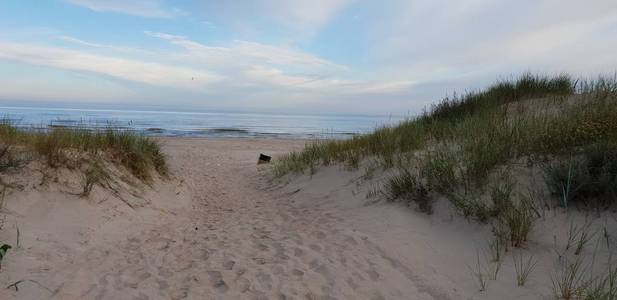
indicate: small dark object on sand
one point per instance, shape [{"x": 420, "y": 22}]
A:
[{"x": 263, "y": 159}]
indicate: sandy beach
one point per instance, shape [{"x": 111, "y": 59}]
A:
[
  {"x": 219, "y": 228},
  {"x": 308, "y": 150}
]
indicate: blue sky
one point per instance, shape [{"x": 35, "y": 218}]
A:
[{"x": 357, "y": 56}]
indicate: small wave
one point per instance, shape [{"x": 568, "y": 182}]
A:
[
  {"x": 155, "y": 130},
  {"x": 60, "y": 126},
  {"x": 87, "y": 127},
  {"x": 227, "y": 130},
  {"x": 66, "y": 121}
]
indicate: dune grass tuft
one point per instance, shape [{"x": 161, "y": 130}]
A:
[
  {"x": 523, "y": 268},
  {"x": 570, "y": 282},
  {"x": 94, "y": 175},
  {"x": 408, "y": 187}
]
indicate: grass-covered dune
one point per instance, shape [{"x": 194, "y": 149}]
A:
[
  {"x": 568, "y": 127},
  {"x": 504, "y": 156},
  {"x": 75, "y": 147}
]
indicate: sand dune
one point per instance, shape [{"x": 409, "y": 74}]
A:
[{"x": 220, "y": 229}]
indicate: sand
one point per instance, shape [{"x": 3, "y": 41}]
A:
[{"x": 220, "y": 229}]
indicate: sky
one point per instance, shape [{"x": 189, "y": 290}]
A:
[{"x": 319, "y": 56}]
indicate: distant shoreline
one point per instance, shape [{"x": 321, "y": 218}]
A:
[
  {"x": 202, "y": 124},
  {"x": 206, "y": 133},
  {"x": 166, "y": 110}
]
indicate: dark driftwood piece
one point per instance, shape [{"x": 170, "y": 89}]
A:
[{"x": 264, "y": 159}]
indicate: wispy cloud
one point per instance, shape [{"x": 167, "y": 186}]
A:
[
  {"x": 248, "y": 53},
  {"x": 267, "y": 66},
  {"x": 165, "y": 36},
  {"x": 277, "y": 78},
  {"x": 281, "y": 56},
  {"x": 143, "y": 8},
  {"x": 127, "y": 69},
  {"x": 80, "y": 42}
]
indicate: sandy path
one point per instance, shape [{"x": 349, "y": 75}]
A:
[
  {"x": 234, "y": 237},
  {"x": 243, "y": 241}
]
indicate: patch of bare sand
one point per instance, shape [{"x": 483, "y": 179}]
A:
[{"x": 219, "y": 230}]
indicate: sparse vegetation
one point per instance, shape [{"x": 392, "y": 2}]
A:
[
  {"x": 603, "y": 286},
  {"x": 570, "y": 281},
  {"x": 498, "y": 245},
  {"x": 523, "y": 268},
  {"x": 494, "y": 269},
  {"x": 573, "y": 232},
  {"x": 479, "y": 274},
  {"x": 577, "y": 277},
  {"x": 584, "y": 238}
]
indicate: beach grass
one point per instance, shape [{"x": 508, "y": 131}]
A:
[
  {"x": 61, "y": 146},
  {"x": 523, "y": 268}
]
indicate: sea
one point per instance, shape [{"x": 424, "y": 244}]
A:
[{"x": 212, "y": 124}]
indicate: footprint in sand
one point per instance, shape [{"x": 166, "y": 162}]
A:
[
  {"x": 315, "y": 247},
  {"x": 352, "y": 284},
  {"x": 373, "y": 275},
  {"x": 319, "y": 234},
  {"x": 228, "y": 265},
  {"x": 133, "y": 278},
  {"x": 216, "y": 279},
  {"x": 261, "y": 247},
  {"x": 164, "y": 272},
  {"x": 299, "y": 252},
  {"x": 350, "y": 240},
  {"x": 243, "y": 284},
  {"x": 141, "y": 296},
  {"x": 265, "y": 280},
  {"x": 163, "y": 285}
]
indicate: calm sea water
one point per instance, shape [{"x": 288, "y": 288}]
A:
[{"x": 204, "y": 124}]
